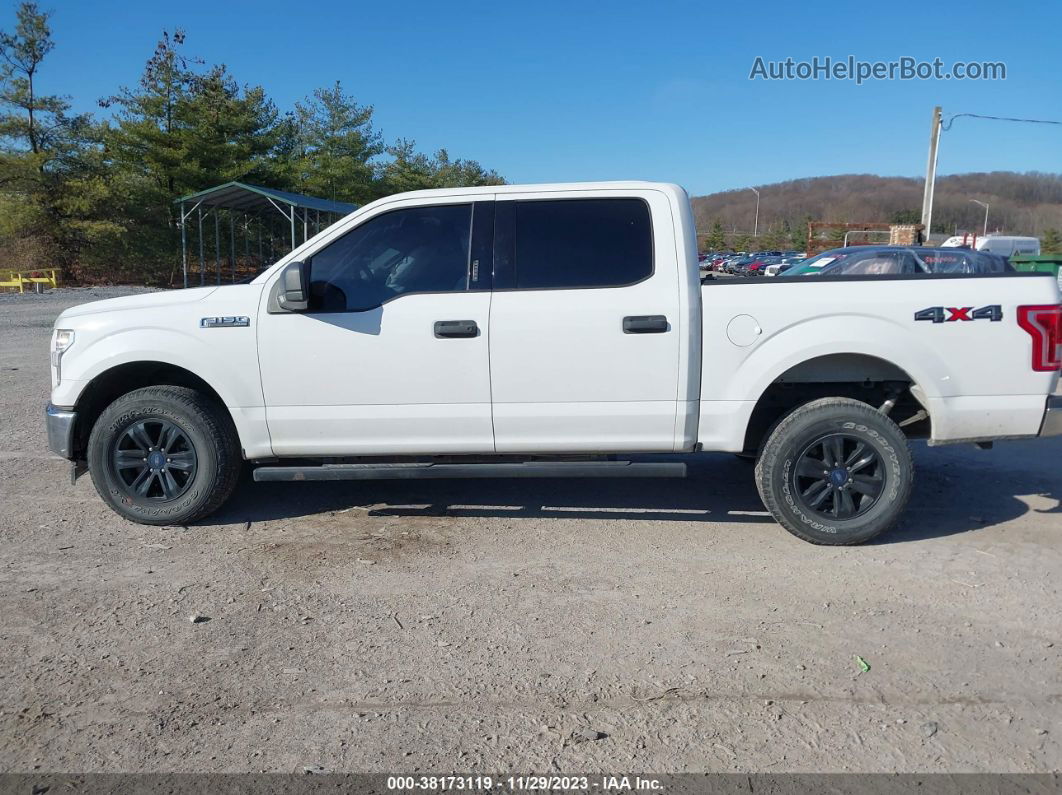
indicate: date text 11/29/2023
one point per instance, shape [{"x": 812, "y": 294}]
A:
[{"x": 602, "y": 783}]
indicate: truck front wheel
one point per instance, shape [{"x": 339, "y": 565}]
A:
[
  {"x": 835, "y": 471},
  {"x": 164, "y": 455}
]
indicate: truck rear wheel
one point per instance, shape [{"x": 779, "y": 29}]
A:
[
  {"x": 835, "y": 471},
  {"x": 164, "y": 455}
]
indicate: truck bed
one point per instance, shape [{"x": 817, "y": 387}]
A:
[{"x": 972, "y": 367}]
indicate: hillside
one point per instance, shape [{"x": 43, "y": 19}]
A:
[{"x": 1028, "y": 203}]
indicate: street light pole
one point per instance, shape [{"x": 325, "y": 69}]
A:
[
  {"x": 756, "y": 223},
  {"x": 984, "y": 232}
]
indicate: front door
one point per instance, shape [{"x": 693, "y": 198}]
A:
[{"x": 391, "y": 357}]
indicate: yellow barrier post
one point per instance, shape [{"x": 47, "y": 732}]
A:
[{"x": 18, "y": 279}]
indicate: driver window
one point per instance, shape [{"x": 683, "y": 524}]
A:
[{"x": 415, "y": 250}]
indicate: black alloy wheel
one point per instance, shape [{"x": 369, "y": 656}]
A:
[
  {"x": 154, "y": 459},
  {"x": 835, "y": 471},
  {"x": 838, "y": 477}
]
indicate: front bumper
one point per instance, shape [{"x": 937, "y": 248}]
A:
[
  {"x": 60, "y": 424},
  {"x": 1052, "y": 424}
]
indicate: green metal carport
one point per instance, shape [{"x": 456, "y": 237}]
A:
[{"x": 252, "y": 202}]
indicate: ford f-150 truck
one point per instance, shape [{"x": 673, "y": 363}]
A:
[{"x": 546, "y": 331}]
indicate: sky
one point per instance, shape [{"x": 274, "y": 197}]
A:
[{"x": 569, "y": 91}]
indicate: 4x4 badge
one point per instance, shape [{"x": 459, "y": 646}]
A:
[{"x": 993, "y": 312}]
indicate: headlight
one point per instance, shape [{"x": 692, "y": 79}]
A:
[{"x": 62, "y": 339}]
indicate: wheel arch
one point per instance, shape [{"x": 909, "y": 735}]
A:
[
  {"x": 869, "y": 378},
  {"x": 112, "y": 383}
]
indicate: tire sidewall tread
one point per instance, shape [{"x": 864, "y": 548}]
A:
[
  {"x": 789, "y": 437},
  {"x": 210, "y": 431}
]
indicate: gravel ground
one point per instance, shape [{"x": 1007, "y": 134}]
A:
[{"x": 507, "y": 626}]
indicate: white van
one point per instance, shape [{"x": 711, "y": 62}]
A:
[{"x": 1004, "y": 245}]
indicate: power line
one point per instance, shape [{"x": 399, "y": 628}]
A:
[{"x": 946, "y": 125}]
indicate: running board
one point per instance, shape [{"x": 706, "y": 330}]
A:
[{"x": 426, "y": 471}]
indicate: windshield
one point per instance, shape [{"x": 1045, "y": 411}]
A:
[{"x": 824, "y": 259}]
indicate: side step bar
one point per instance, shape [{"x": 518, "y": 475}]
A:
[{"x": 531, "y": 469}]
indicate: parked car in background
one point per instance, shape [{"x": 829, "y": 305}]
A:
[
  {"x": 899, "y": 260},
  {"x": 1003, "y": 245},
  {"x": 717, "y": 258},
  {"x": 739, "y": 266},
  {"x": 760, "y": 265},
  {"x": 781, "y": 267},
  {"x": 902, "y": 260},
  {"x": 749, "y": 266}
]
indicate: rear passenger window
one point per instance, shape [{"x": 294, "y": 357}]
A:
[{"x": 582, "y": 243}]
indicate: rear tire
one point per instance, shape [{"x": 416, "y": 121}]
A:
[
  {"x": 164, "y": 455},
  {"x": 835, "y": 471}
]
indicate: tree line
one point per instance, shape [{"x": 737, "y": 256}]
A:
[
  {"x": 93, "y": 197},
  {"x": 1020, "y": 204}
]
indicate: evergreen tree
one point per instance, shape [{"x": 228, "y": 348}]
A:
[
  {"x": 180, "y": 130},
  {"x": 98, "y": 198},
  {"x": 744, "y": 242},
  {"x": 228, "y": 132},
  {"x": 1052, "y": 241},
  {"x": 332, "y": 144},
  {"x": 412, "y": 170},
  {"x": 184, "y": 130},
  {"x": 836, "y": 235},
  {"x": 716, "y": 239},
  {"x": 51, "y": 169},
  {"x": 774, "y": 239},
  {"x": 799, "y": 236},
  {"x": 149, "y": 137}
]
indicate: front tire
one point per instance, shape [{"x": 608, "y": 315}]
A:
[
  {"x": 835, "y": 471},
  {"x": 164, "y": 455}
]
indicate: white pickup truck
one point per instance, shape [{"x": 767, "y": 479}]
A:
[{"x": 546, "y": 331}]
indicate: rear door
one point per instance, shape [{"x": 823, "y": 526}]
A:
[{"x": 585, "y": 322}]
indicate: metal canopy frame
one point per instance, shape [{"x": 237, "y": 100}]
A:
[{"x": 257, "y": 203}]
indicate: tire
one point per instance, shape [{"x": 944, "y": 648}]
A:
[
  {"x": 200, "y": 455},
  {"x": 835, "y": 471}
]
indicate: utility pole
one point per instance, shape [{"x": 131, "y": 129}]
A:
[
  {"x": 756, "y": 223},
  {"x": 984, "y": 232},
  {"x": 931, "y": 172}
]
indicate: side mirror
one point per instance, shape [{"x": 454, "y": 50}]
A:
[{"x": 293, "y": 291}]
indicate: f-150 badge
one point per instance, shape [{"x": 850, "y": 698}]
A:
[{"x": 224, "y": 322}]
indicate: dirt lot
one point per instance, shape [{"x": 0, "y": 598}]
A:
[{"x": 498, "y": 626}]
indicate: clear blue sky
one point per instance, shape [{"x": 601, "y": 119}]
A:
[{"x": 559, "y": 91}]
